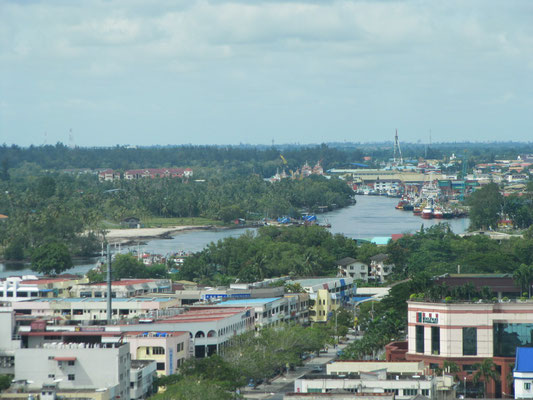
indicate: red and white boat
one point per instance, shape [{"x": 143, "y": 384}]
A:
[{"x": 427, "y": 212}]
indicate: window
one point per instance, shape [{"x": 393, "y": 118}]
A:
[
  {"x": 158, "y": 350},
  {"x": 527, "y": 385},
  {"x": 470, "y": 342},
  {"x": 410, "y": 392},
  {"x": 71, "y": 377},
  {"x": 435, "y": 340},
  {"x": 425, "y": 392},
  {"x": 52, "y": 376},
  {"x": 71, "y": 362},
  {"x": 419, "y": 339},
  {"x": 507, "y": 337},
  {"x": 395, "y": 391},
  {"x": 160, "y": 366}
]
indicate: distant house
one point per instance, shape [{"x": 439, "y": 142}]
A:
[
  {"x": 523, "y": 373},
  {"x": 131, "y": 222},
  {"x": 108, "y": 175},
  {"x": 352, "y": 268},
  {"x": 380, "y": 268},
  {"x": 158, "y": 173}
]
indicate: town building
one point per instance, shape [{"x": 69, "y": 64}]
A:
[
  {"x": 338, "y": 395},
  {"x": 158, "y": 173},
  {"x": 380, "y": 267},
  {"x": 402, "y": 386},
  {"x": 503, "y": 285},
  {"x": 142, "y": 375},
  {"x": 18, "y": 288},
  {"x": 169, "y": 350},
  {"x": 523, "y": 373},
  {"x": 327, "y": 295},
  {"x": 76, "y": 366},
  {"x": 234, "y": 291},
  {"x": 123, "y": 288},
  {"x": 350, "y": 267},
  {"x": 466, "y": 333},
  {"x": 94, "y": 310},
  {"x": 345, "y": 367},
  {"x": 108, "y": 175},
  {"x": 211, "y": 328},
  {"x": 274, "y": 311}
]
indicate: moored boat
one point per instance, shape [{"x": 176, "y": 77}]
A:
[
  {"x": 437, "y": 213},
  {"x": 427, "y": 212}
]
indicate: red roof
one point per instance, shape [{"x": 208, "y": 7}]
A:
[
  {"x": 65, "y": 358},
  {"x": 44, "y": 281}
]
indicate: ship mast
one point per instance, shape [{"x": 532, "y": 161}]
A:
[{"x": 398, "y": 160}]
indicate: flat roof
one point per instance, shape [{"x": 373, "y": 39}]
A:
[
  {"x": 316, "y": 281},
  {"x": 96, "y": 299},
  {"x": 126, "y": 282},
  {"x": 248, "y": 301}
]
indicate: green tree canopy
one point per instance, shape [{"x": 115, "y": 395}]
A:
[{"x": 51, "y": 258}]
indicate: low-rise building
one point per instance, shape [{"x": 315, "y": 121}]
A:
[
  {"x": 345, "y": 367},
  {"x": 169, "y": 350},
  {"x": 350, "y": 267},
  {"x": 211, "y": 328},
  {"x": 76, "y": 366},
  {"x": 380, "y": 267},
  {"x": 123, "y": 288},
  {"x": 18, "y": 288},
  {"x": 142, "y": 375},
  {"x": 94, "y": 310},
  {"x": 523, "y": 373},
  {"x": 402, "y": 386},
  {"x": 326, "y": 295}
]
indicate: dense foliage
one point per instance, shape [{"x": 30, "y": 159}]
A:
[
  {"x": 58, "y": 207},
  {"x": 126, "y": 266},
  {"x": 51, "y": 258},
  {"x": 273, "y": 251}
]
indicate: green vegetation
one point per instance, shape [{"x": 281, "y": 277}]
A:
[
  {"x": 51, "y": 258},
  {"x": 486, "y": 372},
  {"x": 273, "y": 251},
  {"x": 126, "y": 266},
  {"x": 251, "y": 357},
  {"x": 5, "y": 382},
  {"x": 485, "y": 207}
]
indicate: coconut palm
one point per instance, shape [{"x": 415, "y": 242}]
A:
[
  {"x": 523, "y": 277},
  {"x": 486, "y": 371}
]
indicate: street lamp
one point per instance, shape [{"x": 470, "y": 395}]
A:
[{"x": 464, "y": 396}]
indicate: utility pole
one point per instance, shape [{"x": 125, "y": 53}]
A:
[{"x": 109, "y": 310}]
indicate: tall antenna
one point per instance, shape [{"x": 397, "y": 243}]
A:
[{"x": 397, "y": 150}]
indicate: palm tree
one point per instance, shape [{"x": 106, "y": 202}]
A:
[
  {"x": 523, "y": 277},
  {"x": 486, "y": 371}
]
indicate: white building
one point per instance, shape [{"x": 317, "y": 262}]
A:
[
  {"x": 76, "y": 366},
  {"x": 523, "y": 373},
  {"x": 350, "y": 267},
  {"x": 402, "y": 386},
  {"x": 123, "y": 288},
  {"x": 345, "y": 367},
  {"x": 9, "y": 341},
  {"x": 142, "y": 375}
]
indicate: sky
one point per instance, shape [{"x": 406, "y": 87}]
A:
[{"x": 105, "y": 73}]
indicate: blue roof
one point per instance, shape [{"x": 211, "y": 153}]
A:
[
  {"x": 381, "y": 240},
  {"x": 356, "y": 164},
  {"x": 524, "y": 359},
  {"x": 249, "y": 301}
]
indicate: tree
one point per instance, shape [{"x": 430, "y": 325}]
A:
[
  {"x": 194, "y": 387},
  {"x": 51, "y": 258},
  {"x": 5, "y": 382},
  {"x": 523, "y": 277},
  {"x": 485, "y": 207},
  {"x": 486, "y": 371}
]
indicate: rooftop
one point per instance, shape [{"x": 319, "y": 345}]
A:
[
  {"x": 524, "y": 359},
  {"x": 96, "y": 299},
  {"x": 245, "y": 302}
]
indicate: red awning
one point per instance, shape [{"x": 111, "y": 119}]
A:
[{"x": 65, "y": 358}]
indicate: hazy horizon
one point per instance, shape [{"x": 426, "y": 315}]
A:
[{"x": 98, "y": 73}]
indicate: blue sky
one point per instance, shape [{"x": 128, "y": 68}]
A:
[{"x": 218, "y": 72}]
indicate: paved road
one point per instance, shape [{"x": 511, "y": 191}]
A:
[{"x": 285, "y": 383}]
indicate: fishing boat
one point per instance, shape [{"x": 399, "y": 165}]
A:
[
  {"x": 427, "y": 212},
  {"x": 417, "y": 210},
  {"x": 437, "y": 213},
  {"x": 408, "y": 207},
  {"x": 401, "y": 204}
]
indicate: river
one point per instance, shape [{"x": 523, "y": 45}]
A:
[{"x": 372, "y": 216}]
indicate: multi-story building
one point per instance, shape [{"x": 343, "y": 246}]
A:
[
  {"x": 142, "y": 375},
  {"x": 402, "y": 386},
  {"x": 94, "y": 310},
  {"x": 326, "y": 295},
  {"x": 345, "y": 367},
  {"x": 211, "y": 328},
  {"x": 9, "y": 341},
  {"x": 30, "y": 287},
  {"x": 380, "y": 267},
  {"x": 123, "y": 288},
  {"x": 76, "y": 366},
  {"x": 235, "y": 291},
  {"x": 168, "y": 349},
  {"x": 466, "y": 333},
  {"x": 350, "y": 267}
]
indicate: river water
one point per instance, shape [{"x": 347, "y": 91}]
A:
[{"x": 372, "y": 216}]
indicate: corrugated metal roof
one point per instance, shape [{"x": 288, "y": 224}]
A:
[{"x": 524, "y": 359}]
